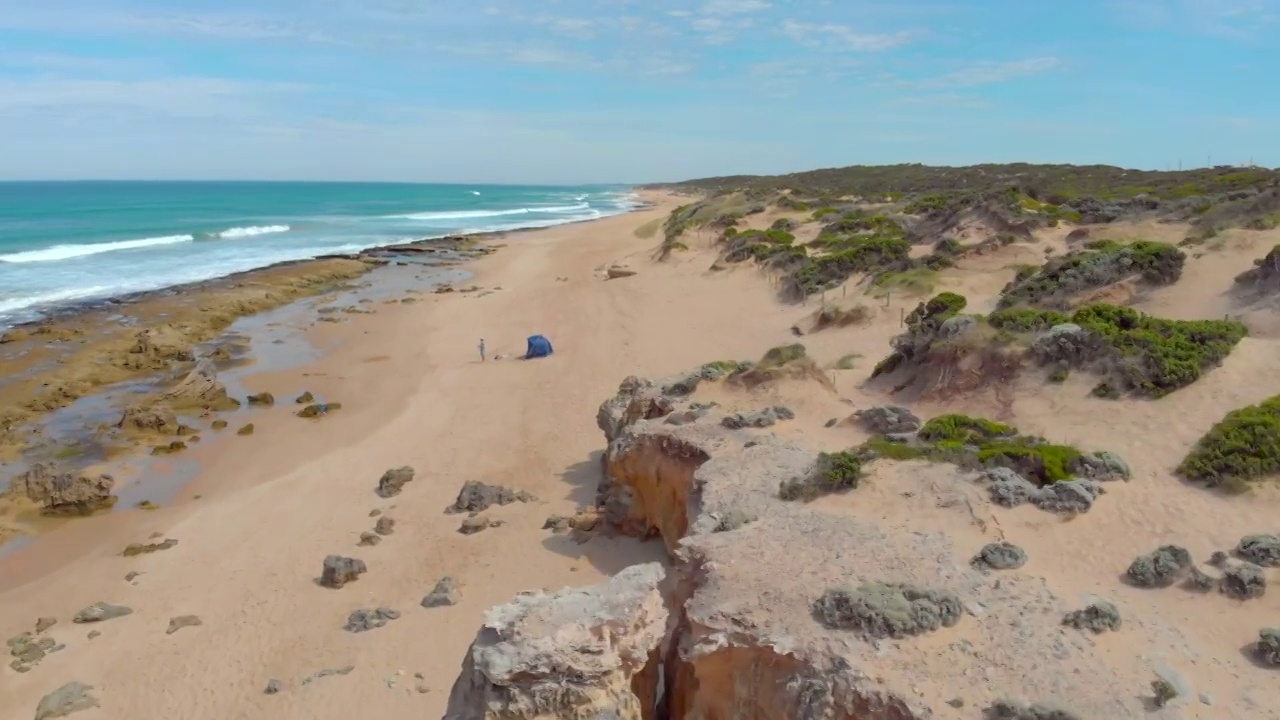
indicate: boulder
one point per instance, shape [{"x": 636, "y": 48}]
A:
[
  {"x": 476, "y": 496},
  {"x": 384, "y": 525},
  {"x": 262, "y": 398},
  {"x": 64, "y": 493},
  {"x": 339, "y": 571},
  {"x": 617, "y": 271},
  {"x": 575, "y": 653},
  {"x": 366, "y": 619},
  {"x": 393, "y": 481},
  {"x": 445, "y": 593},
  {"x": 201, "y": 387},
  {"x": 101, "y": 611},
  {"x": 888, "y": 420}
]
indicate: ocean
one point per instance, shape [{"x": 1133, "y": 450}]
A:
[{"x": 68, "y": 242}]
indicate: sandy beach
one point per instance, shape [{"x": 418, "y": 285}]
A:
[{"x": 262, "y": 511}]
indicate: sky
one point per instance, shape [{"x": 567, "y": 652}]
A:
[{"x": 586, "y": 91}]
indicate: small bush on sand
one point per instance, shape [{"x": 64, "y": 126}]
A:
[
  {"x": 781, "y": 355},
  {"x": 1163, "y": 691},
  {"x": 1161, "y": 568},
  {"x": 1243, "y": 446},
  {"x": 964, "y": 430},
  {"x": 999, "y": 556},
  {"x": 1013, "y": 710},
  {"x": 733, "y": 519},
  {"x": 1098, "y": 617},
  {"x": 1267, "y": 649},
  {"x": 884, "y": 610},
  {"x": 831, "y": 473}
]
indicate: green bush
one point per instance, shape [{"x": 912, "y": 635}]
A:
[
  {"x": 964, "y": 430},
  {"x": 832, "y": 473},
  {"x": 1158, "y": 355},
  {"x": 1040, "y": 463},
  {"x": 1244, "y": 445},
  {"x": 846, "y": 257},
  {"x": 1024, "y": 319},
  {"x": 781, "y": 355},
  {"x": 937, "y": 309}
]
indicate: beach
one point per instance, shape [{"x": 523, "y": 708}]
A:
[{"x": 259, "y": 513}]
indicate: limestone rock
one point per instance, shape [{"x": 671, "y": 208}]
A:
[
  {"x": 477, "y": 523},
  {"x": 1244, "y": 582},
  {"x": 445, "y": 593},
  {"x": 1261, "y": 550},
  {"x": 576, "y": 653},
  {"x": 384, "y": 525},
  {"x": 182, "y": 621},
  {"x": 158, "y": 420},
  {"x": 64, "y": 493},
  {"x": 369, "y": 539},
  {"x": 888, "y": 420},
  {"x": 393, "y": 481},
  {"x": 202, "y": 387},
  {"x": 760, "y": 419},
  {"x": 133, "y": 549},
  {"x": 339, "y": 571},
  {"x": 304, "y": 398},
  {"x": 1000, "y": 556},
  {"x": 617, "y": 271},
  {"x": 476, "y": 496},
  {"x": 101, "y": 611},
  {"x": 366, "y": 619},
  {"x": 262, "y": 398},
  {"x": 71, "y": 698}
]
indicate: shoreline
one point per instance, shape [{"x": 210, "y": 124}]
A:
[{"x": 22, "y": 524}]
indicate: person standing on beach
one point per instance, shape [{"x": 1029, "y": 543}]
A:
[{"x": 481, "y": 349}]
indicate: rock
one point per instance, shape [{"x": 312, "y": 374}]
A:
[
  {"x": 65, "y": 493},
  {"x": 159, "y": 420},
  {"x": 477, "y": 523},
  {"x": 304, "y": 398},
  {"x": 575, "y": 653},
  {"x": 44, "y": 623},
  {"x": 327, "y": 672},
  {"x": 29, "y": 649},
  {"x": 133, "y": 549},
  {"x": 761, "y": 419},
  {"x": 1098, "y": 617},
  {"x": 1008, "y": 488},
  {"x": 218, "y": 424},
  {"x": 364, "y": 619},
  {"x": 1218, "y": 559},
  {"x": 262, "y": 398},
  {"x": 1198, "y": 581},
  {"x": 182, "y": 621},
  {"x": 131, "y": 575},
  {"x": 375, "y": 512},
  {"x": 93, "y": 634},
  {"x": 73, "y": 697},
  {"x": 316, "y": 410},
  {"x": 201, "y": 387},
  {"x": 393, "y": 481},
  {"x": 1160, "y": 568},
  {"x": 369, "y": 539},
  {"x": 888, "y": 419},
  {"x": 101, "y": 611},
  {"x": 273, "y": 686},
  {"x": 445, "y": 593},
  {"x": 1243, "y": 582},
  {"x": 1000, "y": 556},
  {"x": 246, "y": 429},
  {"x": 339, "y": 571},
  {"x": 1067, "y": 496},
  {"x": 170, "y": 448},
  {"x": 384, "y": 526},
  {"x": 476, "y": 496},
  {"x": 616, "y": 271},
  {"x": 1261, "y": 550},
  {"x": 1103, "y": 465}
]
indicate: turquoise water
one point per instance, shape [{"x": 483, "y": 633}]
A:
[{"x": 68, "y": 242}]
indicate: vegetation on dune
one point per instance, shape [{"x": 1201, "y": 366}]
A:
[
  {"x": 1155, "y": 356},
  {"x": 781, "y": 355},
  {"x": 979, "y": 442},
  {"x": 1025, "y": 319},
  {"x": 832, "y": 473},
  {"x": 1243, "y": 446},
  {"x": 1102, "y": 263}
]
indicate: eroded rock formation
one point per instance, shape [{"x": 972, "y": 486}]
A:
[
  {"x": 751, "y": 635},
  {"x": 64, "y": 493}
]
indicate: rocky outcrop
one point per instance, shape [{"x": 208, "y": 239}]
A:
[
  {"x": 201, "y": 387},
  {"x": 577, "y": 654},
  {"x": 157, "y": 420},
  {"x": 791, "y": 612},
  {"x": 64, "y": 493}
]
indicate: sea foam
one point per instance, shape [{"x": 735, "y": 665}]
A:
[
  {"x": 252, "y": 230},
  {"x": 67, "y": 252}
]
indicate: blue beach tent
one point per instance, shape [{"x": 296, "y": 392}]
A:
[{"x": 539, "y": 346}]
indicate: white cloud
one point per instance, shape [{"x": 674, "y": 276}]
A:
[
  {"x": 988, "y": 73},
  {"x": 833, "y": 36}
]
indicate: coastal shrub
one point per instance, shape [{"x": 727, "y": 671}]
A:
[
  {"x": 887, "y": 610},
  {"x": 1101, "y": 263},
  {"x": 1243, "y": 446},
  {"x": 1160, "y": 568},
  {"x": 781, "y": 355},
  {"x": 1155, "y": 356},
  {"x": 831, "y": 473},
  {"x": 783, "y": 223},
  {"x": 964, "y": 430},
  {"x": 1025, "y": 319},
  {"x": 936, "y": 310},
  {"x": 845, "y": 257},
  {"x": 914, "y": 282},
  {"x": 1098, "y": 617},
  {"x": 1267, "y": 649}
]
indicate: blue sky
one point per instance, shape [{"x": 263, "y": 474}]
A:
[{"x": 626, "y": 90}]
